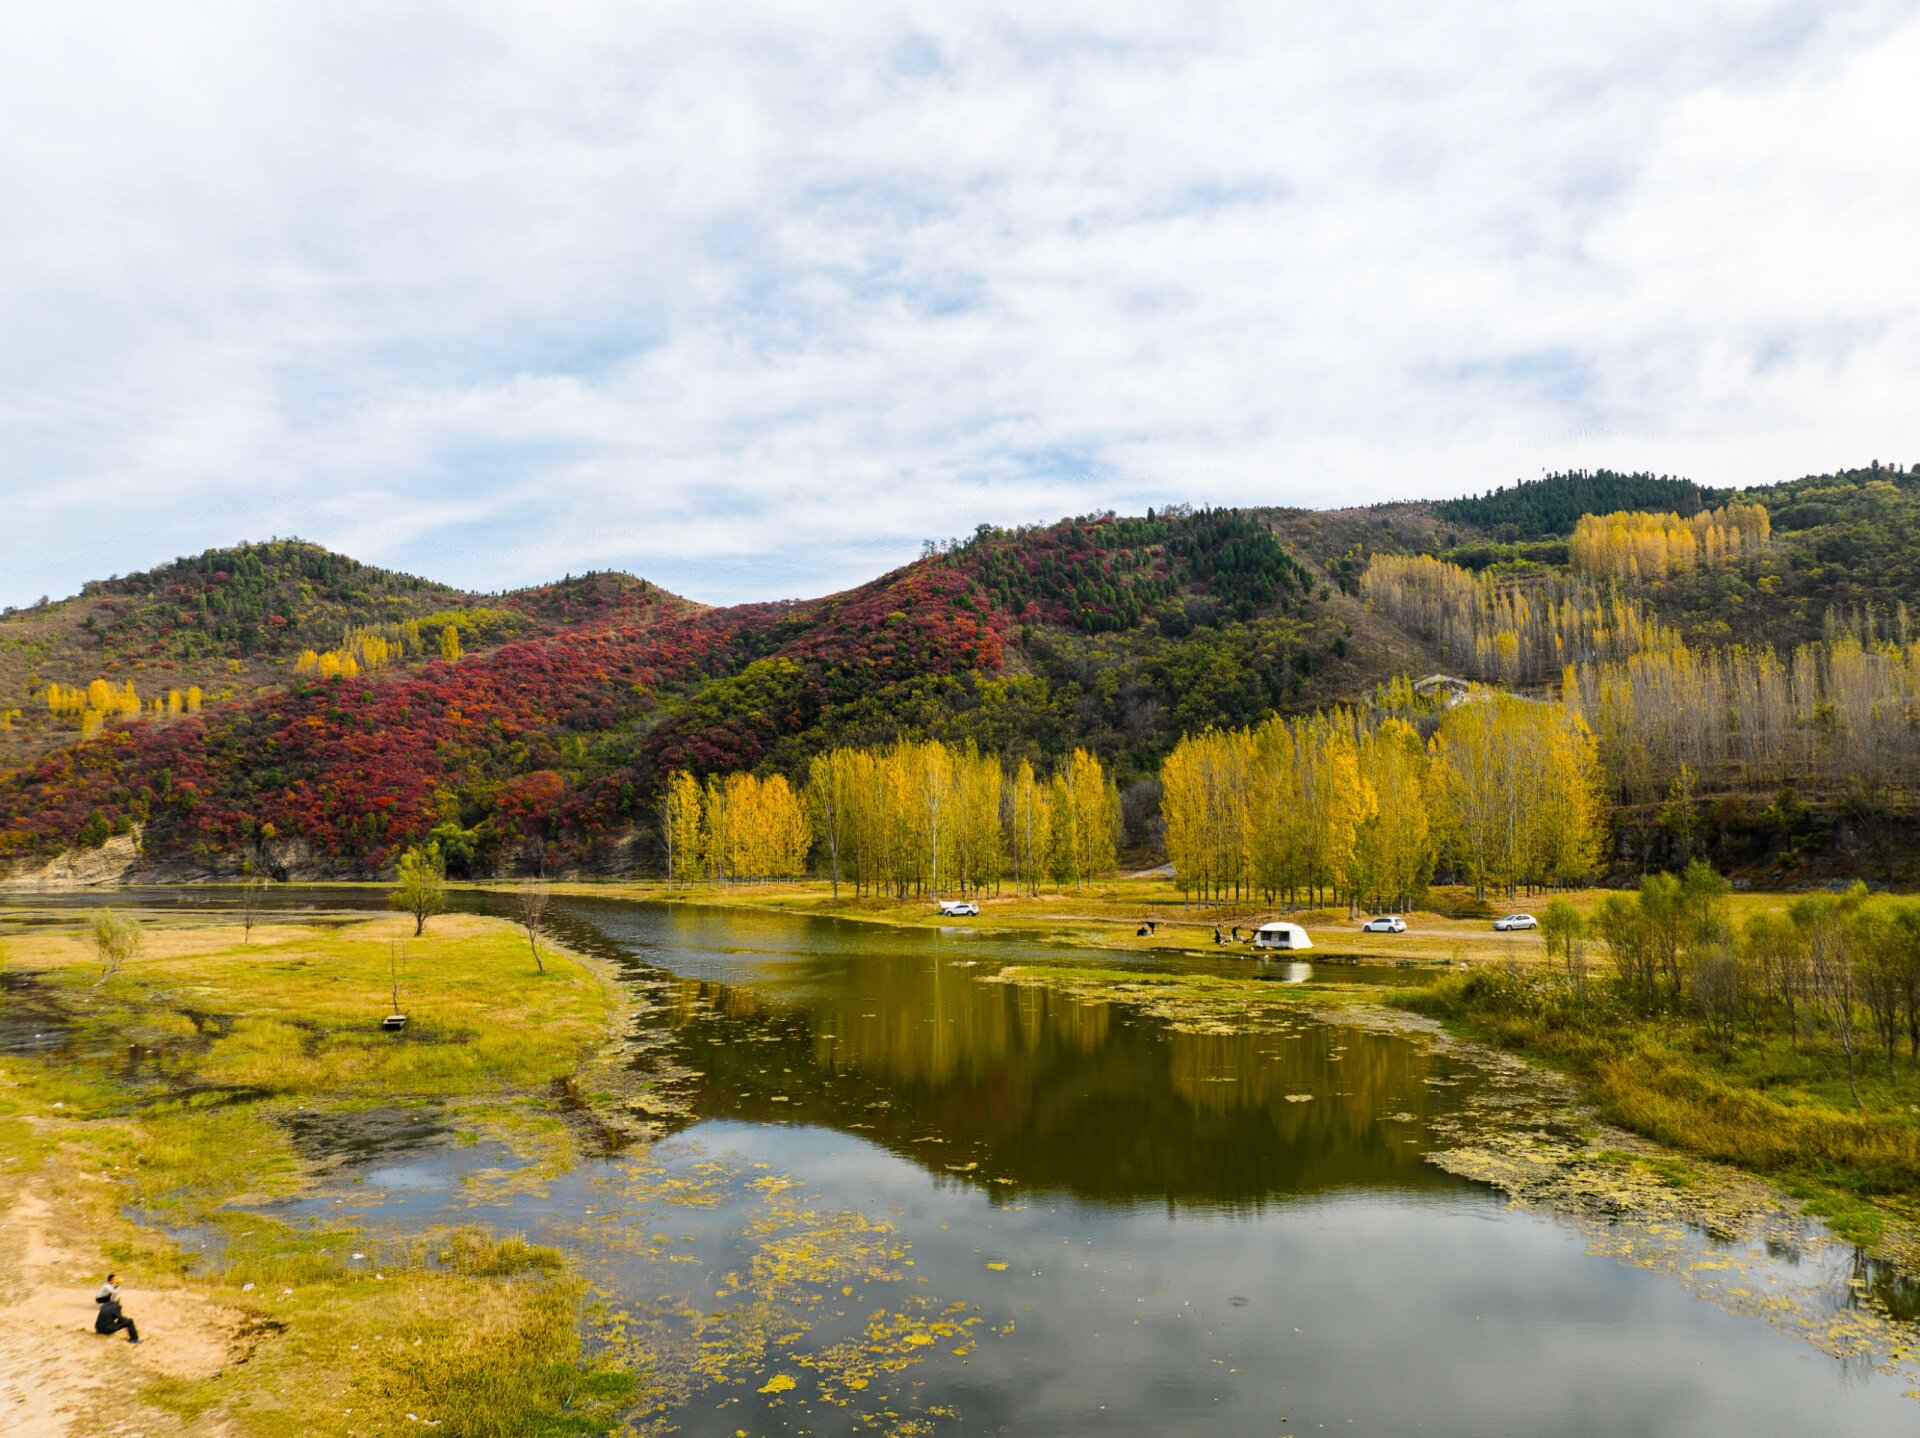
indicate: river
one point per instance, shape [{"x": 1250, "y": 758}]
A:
[{"x": 902, "y": 1196}]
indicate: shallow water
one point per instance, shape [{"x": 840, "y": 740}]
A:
[
  {"x": 29, "y": 1024},
  {"x": 912, "y": 1199}
]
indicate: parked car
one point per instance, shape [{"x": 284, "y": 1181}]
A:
[
  {"x": 958, "y": 909},
  {"x": 1515, "y": 921},
  {"x": 1384, "y": 924}
]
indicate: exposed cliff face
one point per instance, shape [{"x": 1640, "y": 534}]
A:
[
  {"x": 117, "y": 861},
  {"x": 121, "y": 860}
]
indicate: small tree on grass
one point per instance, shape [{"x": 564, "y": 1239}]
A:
[
  {"x": 1718, "y": 980},
  {"x": 116, "y": 940},
  {"x": 253, "y": 901},
  {"x": 1620, "y": 923},
  {"x": 420, "y": 887},
  {"x": 531, "y": 903},
  {"x": 1833, "y": 967},
  {"x": 1565, "y": 932}
]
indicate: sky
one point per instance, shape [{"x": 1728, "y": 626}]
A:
[{"x": 753, "y": 299}]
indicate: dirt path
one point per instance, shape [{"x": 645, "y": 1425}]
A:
[{"x": 58, "y": 1378}]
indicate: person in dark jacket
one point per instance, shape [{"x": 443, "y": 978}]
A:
[{"x": 110, "y": 1320}]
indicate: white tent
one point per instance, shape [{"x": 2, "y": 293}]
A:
[{"x": 1280, "y": 935}]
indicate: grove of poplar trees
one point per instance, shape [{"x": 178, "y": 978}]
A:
[
  {"x": 101, "y": 700},
  {"x": 912, "y": 818},
  {"x": 1639, "y": 547},
  {"x": 366, "y": 647},
  {"x": 1509, "y": 633},
  {"x": 1840, "y": 716},
  {"x": 735, "y": 828},
  {"x": 1354, "y": 807}
]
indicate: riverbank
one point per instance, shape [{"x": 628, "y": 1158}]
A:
[
  {"x": 145, "y": 1120},
  {"x": 1776, "y": 1104},
  {"x": 1111, "y": 914}
]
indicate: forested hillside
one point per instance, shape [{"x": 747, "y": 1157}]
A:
[
  {"x": 1553, "y": 505},
  {"x": 279, "y": 706},
  {"x": 227, "y": 623},
  {"x": 537, "y": 726}
]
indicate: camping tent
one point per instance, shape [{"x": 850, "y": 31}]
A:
[{"x": 1281, "y": 935}]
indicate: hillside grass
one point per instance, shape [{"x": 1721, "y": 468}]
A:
[{"x": 168, "y": 1104}]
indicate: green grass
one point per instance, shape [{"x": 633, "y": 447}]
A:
[
  {"x": 482, "y": 1333},
  {"x": 1765, "y": 1105}
]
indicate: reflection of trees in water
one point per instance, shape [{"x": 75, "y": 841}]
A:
[
  {"x": 1877, "y": 1284},
  {"x": 1054, "y": 1091},
  {"x": 1353, "y": 1077},
  {"x": 933, "y": 1024}
]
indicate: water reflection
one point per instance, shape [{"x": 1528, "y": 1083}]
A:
[
  {"x": 30, "y": 1023},
  {"x": 1021, "y": 1087}
]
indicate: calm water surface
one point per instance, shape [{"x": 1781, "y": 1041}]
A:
[{"x": 914, "y": 1200}]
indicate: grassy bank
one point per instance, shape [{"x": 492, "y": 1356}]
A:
[
  {"x": 177, "y": 1095},
  {"x": 1111, "y": 913},
  {"x": 1775, "y": 1103}
]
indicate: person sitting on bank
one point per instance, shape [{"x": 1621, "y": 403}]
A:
[{"x": 110, "y": 1320}]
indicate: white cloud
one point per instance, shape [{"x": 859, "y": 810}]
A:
[{"x": 751, "y": 298}]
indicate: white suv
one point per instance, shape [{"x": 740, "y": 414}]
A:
[{"x": 1384, "y": 924}]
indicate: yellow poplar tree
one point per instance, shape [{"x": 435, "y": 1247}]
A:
[
  {"x": 680, "y": 819},
  {"x": 1029, "y": 826}
]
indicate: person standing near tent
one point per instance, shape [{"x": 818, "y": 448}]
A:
[{"x": 110, "y": 1320}]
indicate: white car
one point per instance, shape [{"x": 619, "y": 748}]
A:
[
  {"x": 1384, "y": 924},
  {"x": 1515, "y": 921},
  {"x": 958, "y": 909}
]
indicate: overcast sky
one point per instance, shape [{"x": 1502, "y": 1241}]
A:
[{"x": 751, "y": 299}]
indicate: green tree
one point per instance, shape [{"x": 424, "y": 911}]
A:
[
  {"x": 420, "y": 886},
  {"x": 1565, "y": 933},
  {"x": 1680, "y": 817},
  {"x": 116, "y": 939},
  {"x": 1833, "y": 967}
]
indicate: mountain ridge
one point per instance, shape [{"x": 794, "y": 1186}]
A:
[{"x": 532, "y": 726}]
